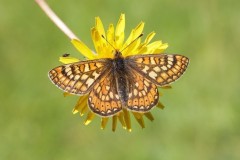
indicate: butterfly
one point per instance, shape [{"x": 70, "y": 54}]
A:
[{"x": 121, "y": 82}]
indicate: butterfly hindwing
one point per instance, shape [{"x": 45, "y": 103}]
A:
[
  {"x": 103, "y": 98},
  {"x": 161, "y": 69},
  {"x": 143, "y": 94},
  {"x": 78, "y": 78}
]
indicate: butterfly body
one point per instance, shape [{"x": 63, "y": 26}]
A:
[
  {"x": 121, "y": 82},
  {"x": 120, "y": 73}
]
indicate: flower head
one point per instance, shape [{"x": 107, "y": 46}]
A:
[{"x": 105, "y": 48}]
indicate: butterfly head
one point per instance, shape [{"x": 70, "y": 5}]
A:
[{"x": 117, "y": 54}]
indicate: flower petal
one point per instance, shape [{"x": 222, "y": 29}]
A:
[
  {"x": 134, "y": 33},
  {"x": 81, "y": 47},
  {"x": 161, "y": 48},
  {"x": 89, "y": 118},
  {"x": 166, "y": 87},
  {"x": 80, "y": 104},
  {"x": 83, "y": 110},
  {"x": 119, "y": 33},
  {"x": 149, "y": 116},
  {"x": 149, "y": 37},
  {"x": 142, "y": 47},
  {"x": 104, "y": 122},
  {"x": 100, "y": 44},
  {"x": 114, "y": 123},
  {"x": 99, "y": 26},
  {"x": 139, "y": 118},
  {"x": 121, "y": 119},
  {"x": 138, "y": 30},
  {"x": 67, "y": 60},
  {"x": 127, "y": 119},
  {"x": 152, "y": 47},
  {"x": 160, "y": 105},
  {"x": 110, "y": 35},
  {"x": 97, "y": 40},
  {"x": 132, "y": 49},
  {"x": 65, "y": 94}
]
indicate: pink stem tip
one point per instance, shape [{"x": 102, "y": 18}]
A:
[{"x": 56, "y": 20}]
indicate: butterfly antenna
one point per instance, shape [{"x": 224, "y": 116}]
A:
[
  {"x": 132, "y": 42},
  {"x": 108, "y": 42}
]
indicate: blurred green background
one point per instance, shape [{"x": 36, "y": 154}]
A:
[{"x": 201, "y": 118}]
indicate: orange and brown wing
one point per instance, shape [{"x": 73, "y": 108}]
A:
[
  {"x": 103, "y": 98},
  {"x": 143, "y": 94},
  {"x": 78, "y": 78},
  {"x": 161, "y": 69}
]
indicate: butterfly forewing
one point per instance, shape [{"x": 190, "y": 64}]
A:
[
  {"x": 160, "y": 69},
  {"x": 79, "y": 77},
  {"x": 143, "y": 94},
  {"x": 103, "y": 98}
]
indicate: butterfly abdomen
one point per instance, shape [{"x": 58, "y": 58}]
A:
[{"x": 121, "y": 79}]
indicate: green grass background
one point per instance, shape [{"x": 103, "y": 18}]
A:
[{"x": 201, "y": 120}]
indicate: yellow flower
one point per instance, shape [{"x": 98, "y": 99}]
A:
[{"x": 105, "y": 49}]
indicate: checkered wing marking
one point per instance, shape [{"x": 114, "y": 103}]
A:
[
  {"x": 103, "y": 98},
  {"x": 143, "y": 94},
  {"x": 78, "y": 78},
  {"x": 161, "y": 69}
]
